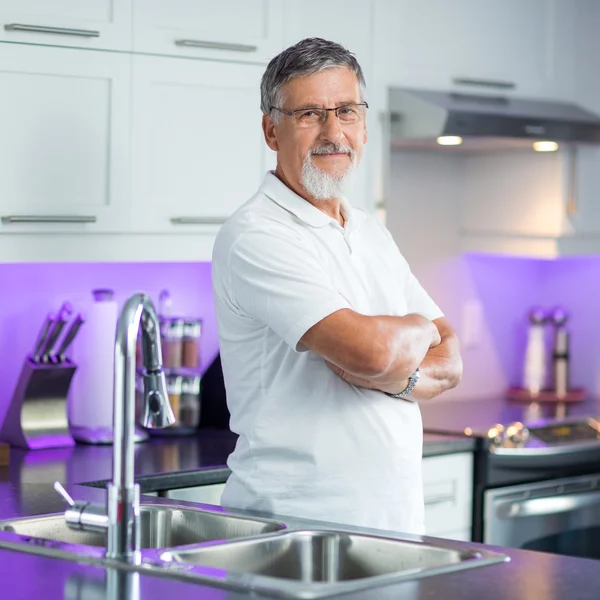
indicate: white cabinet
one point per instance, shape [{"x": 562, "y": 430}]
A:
[
  {"x": 64, "y": 147},
  {"x": 428, "y": 44},
  {"x": 198, "y": 147},
  {"x": 204, "y": 494},
  {"x": 102, "y": 24},
  {"x": 448, "y": 492},
  {"x": 241, "y": 30}
]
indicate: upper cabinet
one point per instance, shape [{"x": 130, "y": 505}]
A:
[
  {"x": 198, "y": 147},
  {"x": 435, "y": 43},
  {"x": 238, "y": 30},
  {"x": 64, "y": 148},
  {"x": 100, "y": 24}
]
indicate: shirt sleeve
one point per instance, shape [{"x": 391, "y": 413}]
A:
[{"x": 279, "y": 280}]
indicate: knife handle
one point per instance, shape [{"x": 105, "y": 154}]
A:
[
  {"x": 41, "y": 338},
  {"x": 65, "y": 311},
  {"x": 59, "y": 355}
]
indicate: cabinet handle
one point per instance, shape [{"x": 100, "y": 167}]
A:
[
  {"x": 217, "y": 45},
  {"x": 198, "y": 220},
  {"x": 441, "y": 499},
  {"x": 8, "y": 219},
  {"x": 491, "y": 83},
  {"x": 44, "y": 29}
]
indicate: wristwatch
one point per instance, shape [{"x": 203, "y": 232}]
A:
[{"x": 412, "y": 381}]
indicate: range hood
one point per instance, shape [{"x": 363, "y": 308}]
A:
[{"x": 419, "y": 117}]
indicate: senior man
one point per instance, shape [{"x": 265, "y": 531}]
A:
[{"x": 327, "y": 339}]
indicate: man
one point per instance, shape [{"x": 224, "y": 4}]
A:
[{"x": 326, "y": 337}]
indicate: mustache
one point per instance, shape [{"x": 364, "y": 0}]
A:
[{"x": 331, "y": 149}]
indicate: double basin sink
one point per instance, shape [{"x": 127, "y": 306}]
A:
[{"x": 251, "y": 553}]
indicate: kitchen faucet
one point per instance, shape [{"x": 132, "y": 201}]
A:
[{"x": 120, "y": 519}]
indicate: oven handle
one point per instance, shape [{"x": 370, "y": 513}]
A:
[{"x": 535, "y": 507}]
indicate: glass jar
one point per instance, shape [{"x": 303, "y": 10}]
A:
[
  {"x": 174, "y": 388},
  {"x": 171, "y": 340},
  {"x": 189, "y": 411},
  {"x": 192, "y": 331}
]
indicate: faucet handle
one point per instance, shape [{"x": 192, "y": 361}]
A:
[{"x": 61, "y": 490}]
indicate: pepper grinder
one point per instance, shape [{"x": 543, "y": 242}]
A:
[
  {"x": 560, "y": 352},
  {"x": 534, "y": 371}
]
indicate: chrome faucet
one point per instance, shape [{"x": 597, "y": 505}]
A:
[{"x": 120, "y": 519}]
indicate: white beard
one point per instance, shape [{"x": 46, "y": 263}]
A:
[{"x": 322, "y": 185}]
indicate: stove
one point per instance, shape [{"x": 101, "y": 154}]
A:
[{"x": 536, "y": 482}]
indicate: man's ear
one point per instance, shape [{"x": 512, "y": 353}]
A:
[{"x": 268, "y": 127}]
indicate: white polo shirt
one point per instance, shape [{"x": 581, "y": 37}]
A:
[{"x": 310, "y": 444}]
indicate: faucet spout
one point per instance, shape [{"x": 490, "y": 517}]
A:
[
  {"x": 121, "y": 518},
  {"x": 123, "y": 494}
]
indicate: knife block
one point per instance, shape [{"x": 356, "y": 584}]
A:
[{"x": 37, "y": 415}]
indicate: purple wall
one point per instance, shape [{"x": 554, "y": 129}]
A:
[
  {"x": 29, "y": 291},
  {"x": 508, "y": 287}
]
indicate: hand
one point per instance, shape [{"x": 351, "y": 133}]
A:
[{"x": 367, "y": 384}]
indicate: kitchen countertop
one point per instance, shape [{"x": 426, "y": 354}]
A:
[
  {"x": 162, "y": 463},
  {"x": 25, "y": 490}
]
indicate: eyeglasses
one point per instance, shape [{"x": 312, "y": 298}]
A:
[{"x": 347, "y": 114}]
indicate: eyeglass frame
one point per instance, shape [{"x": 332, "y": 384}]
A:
[{"x": 291, "y": 113}]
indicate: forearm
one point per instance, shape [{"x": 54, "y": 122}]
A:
[
  {"x": 440, "y": 370},
  {"x": 380, "y": 348}
]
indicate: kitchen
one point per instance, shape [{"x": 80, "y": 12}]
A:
[{"x": 126, "y": 135}]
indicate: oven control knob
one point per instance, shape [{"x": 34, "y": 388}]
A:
[
  {"x": 516, "y": 433},
  {"x": 496, "y": 434}
]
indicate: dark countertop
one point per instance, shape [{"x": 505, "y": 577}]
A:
[
  {"x": 25, "y": 489},
  {"x": 163, "y": 463},
  {"x": 480, "y": 414}
]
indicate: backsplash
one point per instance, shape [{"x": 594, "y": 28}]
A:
[{"x": 30, "y": 291}]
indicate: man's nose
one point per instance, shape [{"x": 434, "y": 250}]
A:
[{"x": 332, "y": 130}]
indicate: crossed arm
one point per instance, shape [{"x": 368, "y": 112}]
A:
[{"x": 380, "y": 353}]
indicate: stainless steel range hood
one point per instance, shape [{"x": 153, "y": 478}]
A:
[{"x": 419, "y": 117}]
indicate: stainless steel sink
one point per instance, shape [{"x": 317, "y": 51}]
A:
[
  {"x": 162, "y": 526},
  {"x": 310, "y": 564}
]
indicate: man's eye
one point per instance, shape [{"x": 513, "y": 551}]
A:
[
  {"x": 308, "y": 114},
  {"x": 347, "y": 110}
]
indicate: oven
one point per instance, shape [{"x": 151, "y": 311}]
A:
[
  {"x": 538, "y": 487},
  {"x": 560, "y": 516}
]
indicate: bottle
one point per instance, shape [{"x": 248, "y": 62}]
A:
[
  {"x": 534, "y": 371},
  {"x": 560, "y": 353}
]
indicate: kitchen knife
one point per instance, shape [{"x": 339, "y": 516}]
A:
[
  {"x": 48, "y": 348},
  {"x": 59, "y": 356},
  {"x": 41, "y": 338}
]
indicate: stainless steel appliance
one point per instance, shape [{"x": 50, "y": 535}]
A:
[
  {"x": 536, "y": 483},
  {"x": 539, "y": 487},
  {"x": 560, "y": 516}
]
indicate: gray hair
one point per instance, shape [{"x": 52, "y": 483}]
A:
[{"x": 307, "y": 57}]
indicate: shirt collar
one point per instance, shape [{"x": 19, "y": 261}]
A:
[{"x": 280, "y": 193}]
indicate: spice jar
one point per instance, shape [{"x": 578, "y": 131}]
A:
[
  {"x": 192, "y": 330},
  {"x": 174, "y": 391},
  {"x": 171, "y": 339},
  {"x": 189, "y": 411}
]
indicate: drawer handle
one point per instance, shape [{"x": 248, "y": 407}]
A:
[
  {"x": 59, "y": 30},
  {"x": 216, "y": 45},
  {"x": 490, "y": 83},
  {"x": 198, "y": 220},
  {"x": 8, "y": 219},
  {"x": 441, "y": 499}
]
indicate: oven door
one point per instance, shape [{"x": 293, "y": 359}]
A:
[{"x": 560, "y": 516}]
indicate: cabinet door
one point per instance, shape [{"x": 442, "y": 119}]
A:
[
  {"x": 428, "y": 44},
  {"x": 246, "y": 30},
  {"x": 203, "y": 494},
  {"x": 64, "y": 148},
  {"x": 198, "y": 147},
  {"x": 99, "y": 24},
  {"x": 448, "y": 491}
]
